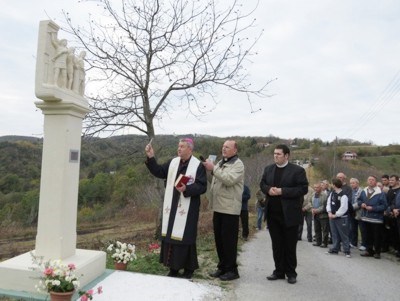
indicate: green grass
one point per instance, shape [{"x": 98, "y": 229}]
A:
[
  {"x": 148, "y": 264},
  {"x": 388, "y": 164}
]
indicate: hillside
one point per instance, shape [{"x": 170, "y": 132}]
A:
[
  {"x": 115, "y": 186},
  {"x": 113, "y": 175}
]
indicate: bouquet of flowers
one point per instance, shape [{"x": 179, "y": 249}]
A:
[
  {"x": 154, "y": 248},
  {"x": 122, "y": 252},
  {"x": 55, "y": 275}
]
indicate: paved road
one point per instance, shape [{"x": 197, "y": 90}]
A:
[{"x": 320, "y": 276}]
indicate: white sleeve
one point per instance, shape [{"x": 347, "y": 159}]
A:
[
  {"x": 328, "y": 204},
  {"x": 344, "y": 201}
]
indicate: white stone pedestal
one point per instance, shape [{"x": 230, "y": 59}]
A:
[{"x": 16, "y": 274}]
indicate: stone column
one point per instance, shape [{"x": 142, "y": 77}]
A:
[{"x": 56, "y": 232}]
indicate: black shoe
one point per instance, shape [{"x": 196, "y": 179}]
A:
[
  {"x": 291, "y": 280},
  {"x": 229, "y": 276},
  {"x": 187, "y": 274},
  {"x": 275, "y": 277},
  {"x": 216, "y": 274},
  {"x": 316, "y": 245},
  {"x": 377, "y": 256},
  {"x": 323, "y": 246},
  {"x": 330, "y": 251},
  {"x": 173, "y": 273}
]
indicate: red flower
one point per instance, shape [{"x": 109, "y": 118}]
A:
[{"x": 48, "y": 271}]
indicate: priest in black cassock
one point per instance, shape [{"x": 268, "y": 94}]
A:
[{"x": 181, "y": 207}]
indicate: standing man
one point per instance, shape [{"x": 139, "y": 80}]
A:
[
  {"x": 355, "y": 221},
  {"x": 181, "y": 207},
  {"x": 226, "y": 203},
  {"x": 321, "y": 221},
  {"x": 260, "y": 205},
  {"x": 396, "y": 212},
  {"x": 337, "y": 208},
  {"x": 244, "y": 213},
  {"x": 346, "y": 189},
  {"x": 385, "y": 180},
  {"x": 391, "y": 199},
  {"x": 349, "y": 193},
  {"x": 307, "y": 216},
  {"x": 373, "y": 205},
  {"x": 284, "y": 185},
  {"x": 326, "y": 187}
]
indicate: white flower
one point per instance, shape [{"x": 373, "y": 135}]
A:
[
  {"x": 122, "y": 252},
  {"x": 76, "y": 283}
]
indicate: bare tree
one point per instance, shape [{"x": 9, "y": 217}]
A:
[{"x": 149, "y": 57}]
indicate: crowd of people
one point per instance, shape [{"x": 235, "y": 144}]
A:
[
  {"x": 348, "y": 216},
  {"x": 339, "y": 211}
]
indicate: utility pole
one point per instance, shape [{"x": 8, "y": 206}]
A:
[{"x": 334, "y": 158}]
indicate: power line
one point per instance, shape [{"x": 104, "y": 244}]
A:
[{"x": 390, "y": 92}]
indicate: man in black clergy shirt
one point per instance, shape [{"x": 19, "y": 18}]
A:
[{"x": 284, "y": 185}]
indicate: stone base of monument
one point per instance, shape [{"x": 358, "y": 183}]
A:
[{"x": 16, "y": 274}]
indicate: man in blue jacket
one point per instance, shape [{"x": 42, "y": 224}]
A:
[
  {"x": 373, "y": 204},
  {"x": 396, "y": 212}
]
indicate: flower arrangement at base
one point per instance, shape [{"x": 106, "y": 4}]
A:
[
  {"x": 122, "y": 252},
  {"x": 56, "y": 276}
]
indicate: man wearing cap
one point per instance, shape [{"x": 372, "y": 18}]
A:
[{"x": 181, "y": 207}]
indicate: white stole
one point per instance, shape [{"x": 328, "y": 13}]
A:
[{"x": 183, "y": 206}]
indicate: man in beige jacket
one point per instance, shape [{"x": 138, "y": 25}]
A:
[{"x": 226, "y": 203}]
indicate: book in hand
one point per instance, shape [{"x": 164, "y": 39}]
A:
[{"x": 181, "y": 180}]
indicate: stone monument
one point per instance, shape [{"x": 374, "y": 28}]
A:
[{"x": 60, "y": 85}]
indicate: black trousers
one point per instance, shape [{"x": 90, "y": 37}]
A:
[
  {"x": 390, "y": 237},
  {"x": 321, "y": 228},
  {"x": 284, "y": 243},
  {"x": 374, "y": 237},
  {"x": 226, "y": 232},
  {"x": 244, "y": 218}
]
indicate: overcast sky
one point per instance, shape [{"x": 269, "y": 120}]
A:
[{"x": 337, "y": 64}]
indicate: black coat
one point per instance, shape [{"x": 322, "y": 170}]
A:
[
  {"x": 294, "y": 186},
  {"x": 193, "y": 191}
]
